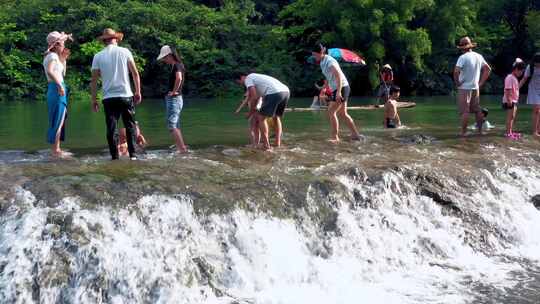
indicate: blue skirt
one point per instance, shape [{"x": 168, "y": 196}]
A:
[{"x": 57, "y": 106}]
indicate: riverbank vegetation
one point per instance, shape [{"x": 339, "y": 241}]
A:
[{"x": 217, "y": 37}]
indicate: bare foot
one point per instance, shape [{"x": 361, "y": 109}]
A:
[
  {"x": 61, "y": 154},
  {"x": 266, "y": 148},
  {"x": 334, "y": 141},
  {"x": 537, "y": 135}
]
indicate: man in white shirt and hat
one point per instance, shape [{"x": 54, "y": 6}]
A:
[
  {"x": 470, "y": 74},
  {"x": 112, "y": 65}
]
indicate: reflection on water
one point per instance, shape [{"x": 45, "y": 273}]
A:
[{"x": 212, "y": 122}]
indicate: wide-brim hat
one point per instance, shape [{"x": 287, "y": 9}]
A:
[
  {"x": 55, "y": 37},
  {"x": 466, "y": 43},
  {"x": 109, "y": 33},
  {"x": 165, "y": 50}
]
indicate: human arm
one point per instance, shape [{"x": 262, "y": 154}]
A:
[
  {"x": 398, "y": 120},
  {"x": 241, "y": 105},
  {"x": 507, "y": 93},
  {"x": 526, "y": 76},
  {"x": 136, "y": 80},
  {"x": 93, "y": 89},
  {"x": 457, "y": 72},
  {"x": 486, "y": 71},
  {"x": 337, "y": 76},
  {"x": 177, "y": 84},
  {"x": 523, "y": 81},
  {"x": 54, "y": 77},
  {"x": 64, "y": 57}
]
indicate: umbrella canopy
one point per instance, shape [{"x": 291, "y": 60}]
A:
[{"x": 342, "y": 55}]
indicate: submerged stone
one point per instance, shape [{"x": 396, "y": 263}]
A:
[{"x": 536, "y": 201}]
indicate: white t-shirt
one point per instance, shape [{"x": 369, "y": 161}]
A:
[
  {"x": 471, "y": 64},
  {"x": 264, "y": 84},
  {"x": 326, "y": 66},
  {"x": 112, "y": 62},
  {"x": 58, "y": 67}
]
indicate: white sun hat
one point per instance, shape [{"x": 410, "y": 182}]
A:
[{"x": 165, "y": 50}]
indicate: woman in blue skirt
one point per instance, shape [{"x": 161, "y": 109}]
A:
[{"x": 54, "y": 64}]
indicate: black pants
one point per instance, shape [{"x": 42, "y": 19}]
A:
[{"x": 114, "y": 108}]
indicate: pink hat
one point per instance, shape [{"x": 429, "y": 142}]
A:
[{"x": 55, "y": 37}]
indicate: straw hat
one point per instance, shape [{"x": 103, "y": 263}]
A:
[
  {"x": 466, "y": 43},
  {"x": 55, "y": 37},
  {"x": 165, "y": 50},
  {"x": 109, "y": 33}
]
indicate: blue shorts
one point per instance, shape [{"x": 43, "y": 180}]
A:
[{"x": 174, "y": 108}]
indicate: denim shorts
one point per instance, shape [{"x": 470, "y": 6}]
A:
[{"x": 174, "y": 108}]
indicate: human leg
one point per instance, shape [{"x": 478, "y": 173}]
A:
[
  {"x": 128, "y": 118},
  {"x": 263, "y": 127},
  {"x": 333, "y": 108},
  {"x": 343, "y": 114},
  {"x": 463, "y": 102},
  {"x": 112, "y": 114},
  {"x": 536, "y": 120},
  {"x": 174, "y": 108}
]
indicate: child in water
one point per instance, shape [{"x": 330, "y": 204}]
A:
[
  {"x": 323, "y": 95},
  {"x": 511, "y": 97},
  {"x": 486, "y": 125},
  {"x": 391, "y": 116},
  {"x": 122, "y": 140}
]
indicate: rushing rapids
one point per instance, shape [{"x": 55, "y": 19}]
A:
[{"x": 380, "y": 221}]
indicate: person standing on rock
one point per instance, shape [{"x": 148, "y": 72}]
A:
[
  {"x": 470, "y": 74},
  {"x": 173, "y": 99},
  {"x": 337, "y": 104},
  {"x": 112, "y": 65},
  {"x": 55, "y": 68}
]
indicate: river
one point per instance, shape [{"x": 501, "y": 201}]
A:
[{"x": 415, "y": 215}]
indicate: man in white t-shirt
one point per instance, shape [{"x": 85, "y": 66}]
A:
[
  {"x": 470, "y": 74},
  {"x": 112, "y": 65},
  {"x": 275, "y": 97}
]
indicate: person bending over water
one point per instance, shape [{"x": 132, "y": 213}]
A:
[
  {"x": 173, "y": 99},
  {"x": 337, "y": 104},
  {"x": 55, "y": 68},
  {"x": 391, "y": 116},
  {"x": 275, "y": 96}
]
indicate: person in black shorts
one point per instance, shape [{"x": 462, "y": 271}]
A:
[{"x": 275, "y": 96}]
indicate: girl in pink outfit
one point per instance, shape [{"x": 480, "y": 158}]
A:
[{"x": 511, "y": 97}]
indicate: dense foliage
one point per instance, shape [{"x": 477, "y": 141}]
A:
[{"x": 217, "y": 37}]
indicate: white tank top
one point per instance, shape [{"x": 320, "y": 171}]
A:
[{"x": 58, "y": 68}]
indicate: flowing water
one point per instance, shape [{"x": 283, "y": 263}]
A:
[{"x": 414, "y": 215}]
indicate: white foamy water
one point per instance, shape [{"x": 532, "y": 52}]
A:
[{"x": 402, "y": 248}]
